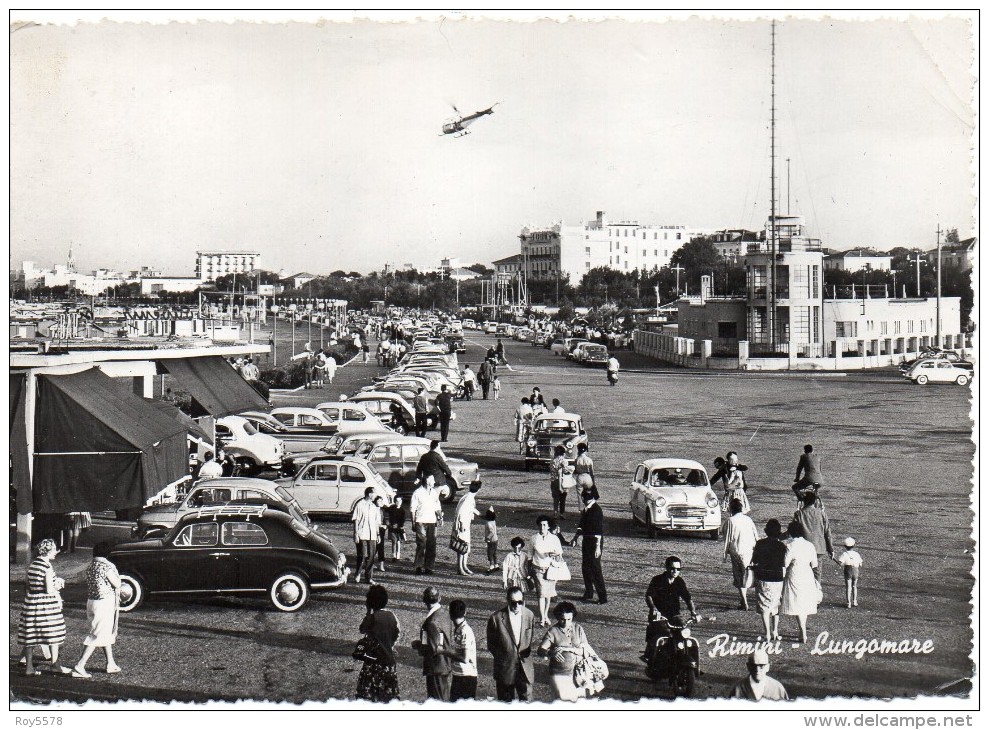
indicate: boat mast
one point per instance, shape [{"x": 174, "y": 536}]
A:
[{"x": 772, "y": 195}]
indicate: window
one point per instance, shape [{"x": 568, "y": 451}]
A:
[
  {"x": 643, "y": 252},
  {"x": 285, "y": 418},
  {"x": 351, "y": 474},
  {"x": 587, "y": 250},
  {"x": 209, "y": 496},
  {"x": 352, "y": 414},
  {"x": 884, "y": 328},
  {"x": 587, "y": 265},
  {"x": 923, "y": 325},
  {"x": 626, "y": 249},
  {"x": 846, "y": 329},
  {"x": 728, "y": 330},
  {"x": 322, "y": 472},
  {"x": 910, "y": 327},
  {"x": 386, "y": 453},
  {"x": 411, "y": 453},
  {"x": 201, "y": 535},
  {"x": 243, "y": 533},
  {"x": 896, "y": 327},
  {"x": 655, "y": 236},
  {"x": 666, "y": 236},
  {"x": 626, "y": 233},
  {"x": 222, "y": 431},
  {"x": 640, "y": 474},
  {"x": 655, "y": 252}
]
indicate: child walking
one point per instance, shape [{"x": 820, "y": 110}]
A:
[
  {"x": 496, "y": 387},
  {"x": 491, "y": 538},
  {"x": 515, "y": 566},
  {"x": 396, "y": 528},
  {"x": 851, "y": 561}
]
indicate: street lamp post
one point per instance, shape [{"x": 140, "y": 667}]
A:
[
  {"x": 917, "y": 260},
  {"x": 657, "y": 299},
  {"x": 678, "y": 269},
  {"x": 938, "y": 309}
]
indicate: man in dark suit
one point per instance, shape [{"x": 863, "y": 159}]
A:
[
  {"x": 510, "y": 642},
  {"x": 432, "y": 463},
  {"x": 444, "y": 401},
  {"x": 485, "y": 375},
  {"x": 434, "y": 645},
  {"x": 591, "y": 531}
]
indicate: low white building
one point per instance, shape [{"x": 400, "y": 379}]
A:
[
  {"x": 858, "y": 260},
  {"x": 175, "y": 284}
]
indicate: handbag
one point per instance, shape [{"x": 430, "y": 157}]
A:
[
  {"x": 558, "y": 570},
  {"x": 367, "y": 649},
  {"x": 460, "y": 547},
  {"x": 567, "y": 481}
]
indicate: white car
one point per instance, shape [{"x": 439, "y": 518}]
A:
[
  {"x": 469, "y": 324},
  {"x": 349, "y": 416},
  {"x": 674, "y": 495},
  {"x": 938, "y": 371},
  {"x": 253, "y": 450},
  {"x": 333, "y": 485},
  {"x": 311, "y": 418}
]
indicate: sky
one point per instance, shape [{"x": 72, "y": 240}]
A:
[{"x": 318, "y": 143}]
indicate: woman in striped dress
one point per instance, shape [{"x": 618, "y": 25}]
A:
[{"x": 41, "y": 618}]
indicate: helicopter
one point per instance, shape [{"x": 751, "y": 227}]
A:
[{"x": 458, "y": 127}]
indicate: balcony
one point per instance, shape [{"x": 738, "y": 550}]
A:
[{"x": 785, "y": 245}]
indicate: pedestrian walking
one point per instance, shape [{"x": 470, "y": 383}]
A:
[
  {"x": 769, "y": 569},
  {"x": 465, "y": 514},
  {"x": 377, "y": 680},
  {"x": 537, "y": 402},
  {"x": 102, "y": 610},
  {"x": 500, "y": 353},
  {"x": 365, "y": 352},
  {"x": 546, "y": 548},
  {"x": 740, "y": 540},
  {"x": 523, "y": 423},
  {"x": 509, "y": 634},
  {"x": 331, "y": 368},
  {"x": 421, "y": 406},
  {"x": 851, "y": 562},
  {"x": 612, "y": 370},
  {"x": 435, "y": 645},
  {"x": 734, "y": 485},
  {"x": 583, "y": 468},
  {"x": 379, "y": 502},
  {"x": 758, "y": 685},
  {"x": 75, "y": 524},
  {"x": 426, "y": 514},
  {"x": 817, "y": 529},
  {"x": 367, "y": 519},
  {"x": 470, "y": 382},
  {"x": 591, "y": 532},
  {"x": 801, "y": 589},
  {"x": 319, "y": 369},
  {"x": 496, "y": 387},
  {"x": 41, "y": 621},
  {"x": 444, "y": 403},
  {"x": 564, "y": 644},
  {"x": 463, "y": 685},
  {"x": 485, "y": 374},
  {"x": 561, "y": 479},
  {"x": 491, "y": 537},
  {"x": 515, "y": 567},
  {"x": 396, "y": 516}
]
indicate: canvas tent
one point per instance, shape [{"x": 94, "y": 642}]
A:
[
  {"x": 99, "y": 446},
  {"x": 216, "y": 388}
]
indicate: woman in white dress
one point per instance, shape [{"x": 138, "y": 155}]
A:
[
  {"x": 546, "y": 547},
  {"x": 466, "y": 512},
  {"x": 801, "y": 591}
]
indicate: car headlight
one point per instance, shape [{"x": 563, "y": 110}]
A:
[
  {"x": 568, "y": 445},
  {"x": 659, "y": 501},
  {"x": 680, "y": 645},
  {"x": 712, "y": 501},
  {"x": 685, "y": 633}
]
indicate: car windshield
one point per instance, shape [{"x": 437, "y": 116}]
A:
[
  {"x": 677, "y": 477},
  {"x": 364, "y": 450},
  {"x": 556, "y": 426}
]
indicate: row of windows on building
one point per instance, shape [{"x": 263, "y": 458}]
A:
[
  {"x": 851, "y": 329},
  {"x": 623, "y": 233},
  {"x": 645, "y": 252}
]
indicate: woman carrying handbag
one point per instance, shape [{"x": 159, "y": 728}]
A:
[
  {"x": 561, "y": 480},
  {"x": 378, "y": 681},
  {"x": 546, "y": 549}
]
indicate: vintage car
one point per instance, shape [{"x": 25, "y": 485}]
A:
[
  {"x": 933, "y": 354},
  {"x": 550, "y": 430},
  {"x": 253, "y": 451},
  {"x": 540, "y": 339},
  {"x": 350, "y": 416},
  {"x": 380, "y": 403},
  {"x": 333, "y": 485},
  {"x": 395, "y": 458},
  {"x": 455, "y": 341},
  {"x": 213, "y": 492},
  {"x": 490, "y": 328},
  {"x": 938, "y": 370},
  {"x": 303, "y": 419},
  {"x": 229, "y": 550},
  {"x": 571, "y": 344},
  {"x": 674, "y": 495},
  {"x": 266, "y": 423},
  {"x": 590, "y": 354}
]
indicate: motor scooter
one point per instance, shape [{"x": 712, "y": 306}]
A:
[{"x": 674, "y": 655}]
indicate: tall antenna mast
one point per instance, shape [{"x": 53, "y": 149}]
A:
[
  {"x": 772, "y": 195},
  {"x": 70, "y": 264}
]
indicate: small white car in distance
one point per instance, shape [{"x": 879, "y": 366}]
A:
[
  {"x": 674, "y": 495},
  {"x": 938, "y": 371}
]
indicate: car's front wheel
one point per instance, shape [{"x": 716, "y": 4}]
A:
[
  {"x": 131, "y": 592},
  {"x": 289, "y": 592},
  {"x": 921, "y": 380},
  {"x": 962, "y": 380}
]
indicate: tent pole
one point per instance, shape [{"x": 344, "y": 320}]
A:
[{"x": 22, "y": 549}]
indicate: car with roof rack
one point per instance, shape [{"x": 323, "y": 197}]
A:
[{"x": 242, "y": 550}]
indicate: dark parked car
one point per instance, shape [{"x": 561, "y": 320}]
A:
[
  {"x": 550, "y": 430},
  {"x": 241, "y": 550},
  {"x": 456, "y": 342}
]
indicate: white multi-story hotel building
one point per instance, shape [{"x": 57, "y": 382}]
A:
[
  {"x": 211, "y": 265},
  {"x": 574, "y": 249}
]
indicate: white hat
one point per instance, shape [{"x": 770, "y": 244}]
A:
[{"x": 849, "y": 542}]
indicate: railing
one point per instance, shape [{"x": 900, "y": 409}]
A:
[{"x": 785, "y": 245}]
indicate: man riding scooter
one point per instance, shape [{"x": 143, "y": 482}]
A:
[{"x": 663, "y": 597}]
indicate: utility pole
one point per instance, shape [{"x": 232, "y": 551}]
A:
[
  {"x": 678, "y": 269},
  {"x": 657, "y": 299},
  {"x": 772, "y": 197},
  {"x": 917, "y": 260},
  {"x": 938, "y": 323}
]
